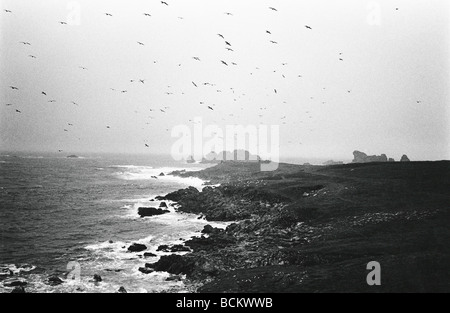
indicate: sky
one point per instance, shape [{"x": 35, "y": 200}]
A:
[{"x": 366, "y": 75}]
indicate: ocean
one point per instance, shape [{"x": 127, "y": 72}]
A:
[{"x": 62, "y": 215}]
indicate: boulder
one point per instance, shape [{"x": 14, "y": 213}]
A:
[
  {"x": 208, "y": 229},
  {"x": 137, "y": 247},
  {"x": 163, "y": 205},
  {"x": 162, "y": 174},
  {"x": 143, "y": 211},
  {"x": 122, "y": 290},
  {"x": 404, "y": 158},
  {"x": 149, "y": 254},
  {"x": 391, "y": 160},
  {"x": 173, "y": 264}
]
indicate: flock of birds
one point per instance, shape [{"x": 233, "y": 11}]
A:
[{"x": 208, "y": 106}]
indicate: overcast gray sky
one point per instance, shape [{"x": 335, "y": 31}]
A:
[{"x": 389, "y": 93}]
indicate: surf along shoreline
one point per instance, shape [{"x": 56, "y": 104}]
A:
[{"x": 314, "y": 228}]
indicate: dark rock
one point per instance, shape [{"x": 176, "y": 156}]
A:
[
  {"x": 54, "y": 281},
  {"x": 404, "y": 158},
  {"x": 174, "y": 248},
  {"x": 137, "y": 247},
  {"x": 16, "y": 283},
  {"x": 97, "y": 278},
  {"x": 173, "y": 264},
  {"x": 208, "y": 229},
  {"x": 18, "y": 289},
  {"x": 151, "y": 211},
  {"x": 391, "y": 160},
  {"x": 163, "y": 205},
  {"x": 122, "y": 290},
  {"x": 361, "y": 157},
  {"x": 110, "y": 241},
  {"x": 159, "y": 198},
  {"x": 162, "y": 174},
  {"x": 149, "y": 254},
  {"x": 146, "y": 270}
]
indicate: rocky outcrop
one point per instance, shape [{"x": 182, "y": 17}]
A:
[
  {"x": 174, "y": 248},
  {"x": 150, "y": 211},
  {"x": 163, "y": 205},
  {"x": 149, "y": 254},
  {"x": 137, "y": 247},
  {"x": 173, "y": 264},
  {"x": 391, "y": 160},
  {"x": 404, "y": 158},
  {"x": 97, "y": 278},
  {"x": 361, "y": 157},
  {"x": 122, "y": 290},
  {"x": 19, "y": 289}
]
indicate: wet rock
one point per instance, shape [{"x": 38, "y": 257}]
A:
[
  {"x": 150, "y": 211},
  {"x": 146, "y": 270},
  {"x": 173, "y": 264},
  {"x": 162, "y": 174},
  {"x": 163, "y": 205},
  {"x": 404, "y": 158},
  {"x": 208, "y": 229},
  {"x": 174, "y": 248},
  {"x": 16, "y": 283},
  {"x": 149, "y": 254},
  {"x": 122, "y": 290},
  {"x": 137, "y": 247}
]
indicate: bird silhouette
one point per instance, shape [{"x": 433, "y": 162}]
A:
[
  {"x": 124, "y": 91},
  {"x": 82, "y": 67},
  {"x": 227, "y": 43},
  {"x": 194, "y": 84},
  {"x": 8, "y": 11},
  {"x": 14, "y": 88},
  {"x": 74, "y": 103},
  {"x": 108, "y": 127},
  {"x": 25, "y": 43},
  {"x": 147, "y": 145},
  {"x": 220, "y": 35},
  {"x": 340, "y": 59},
  {"x": 141, "y": 80},
  {"x": 229, "y": 49},
  {"x": 233, "y": 63},
  {"x": 228, "y": 13},
  {"x": 51, "y": 101},
  {"x": 147, "y": 14},
  {"x": 309, "y": 27},
  {"x": 196, "y": 58},
  {"x": 62, "y": 23},
  {"x": 108, "y": 14},
  {"x": 8, "y": 104},
  {"x": 142, "y": 44},
  {"x": 274, "y": 42},
  {"x": 210, "y": 108},
  {"x": 275, "y": 91},
  {"x": 273, "y": 9},
  {"x": 18, "y": 111},
  {"x": 224, "y": 62},
  {"x": 44, "y": 93},
  {"x": 32, "y": 56},
  {"x": 163, "y": 2},
  {"x": 268, "y": 32}
]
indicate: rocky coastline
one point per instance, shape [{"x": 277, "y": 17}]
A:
[{"x": 312, "y": 228}]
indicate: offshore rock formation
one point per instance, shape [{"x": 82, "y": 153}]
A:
[
  {"x": 405, "y": 158},
  {"x": 361, "y": 157}
]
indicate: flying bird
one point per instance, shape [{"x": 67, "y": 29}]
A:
[
  {"x": 227, "y": 43},
  {"x": 32, "y": 56},
  {"x": 228, "y": 13},
  {"x": 147, "y": 145},
  {"x": 108, "y": 127},
  {"x": 62, "y": 23},
  {"x": 51, "y": 101},
  {"x": 274, "y": 42},
  {"x": 124, "y": 91},
  {"x": 194, "y": 84},
  {"x": 82, "y": 67},
  {"x": 224, "y": 62},
  {"x": 210, "y": 108},
  {"x": 108, "y": 14},
  {"x": 8, "y": 104},
  {"x": 14, "y": 88},
  {"x": 44, "y": 93},
  {"x": 268, "y": 32},
  {"x": 275, "y": 91},
  {"x": 229, "y": 49},
  {"x": 309, "y": 27},
  {"x": 233, "y": 63},
  {"x": 140, "y": 43},
  {"x": 18, "y": 111},
  {"x": 163, "y": 2},
  {"x": 25, "y": 43},
  {"x": 220, "y": 35},
  {"x": 74, "y": 103},
  {"x": 273, "y": 9},
  {"x": 196, "y": 58},
  {"x": 141, "y": 80},
  {"x": 147, "y": 14},
  {"x": 8, "y": 11},
  {"x": 340, "y": 59}
]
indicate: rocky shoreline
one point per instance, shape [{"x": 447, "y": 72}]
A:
[{"x": 309, "y": 229}]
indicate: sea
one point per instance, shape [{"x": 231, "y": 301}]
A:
[{"x": 76, "y": 217}]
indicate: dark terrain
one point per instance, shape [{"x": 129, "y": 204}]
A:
[{"x": 315, "y": 228}]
